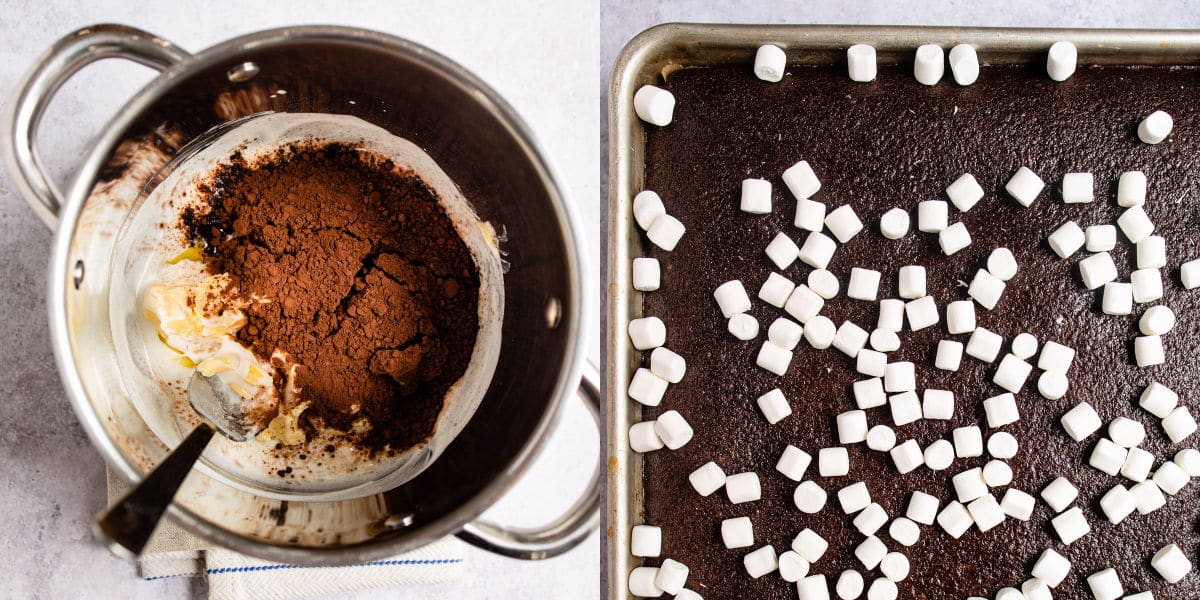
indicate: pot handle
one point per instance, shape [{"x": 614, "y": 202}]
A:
[
  {"x": 66, "y": 57},
  {"x": 568, "y": 531}
]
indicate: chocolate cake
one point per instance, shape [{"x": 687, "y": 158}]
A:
[{"x": 893, "y": 143}]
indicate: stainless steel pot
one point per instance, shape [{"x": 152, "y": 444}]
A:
[{"x": 413, "y": 93}]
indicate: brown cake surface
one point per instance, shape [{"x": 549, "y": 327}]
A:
[{"x": 893, "y": 143}]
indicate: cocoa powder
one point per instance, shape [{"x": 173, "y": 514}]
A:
[{"x": 368, "y": 289}]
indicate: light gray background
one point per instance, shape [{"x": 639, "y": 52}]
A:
[{"x": 542, "y": 56}]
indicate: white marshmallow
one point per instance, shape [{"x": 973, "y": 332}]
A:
[
  {"x": 1025, "y": 346},
  {"x": 761, "y": 561},
  {"x": 833, "y": 462},
  {"x": 793, "y": 463},
  {"x": 904, "y": 531},
  {"x": 1117, "y": 503},
  {"x": 1188, "y": 459},
  {"x": 1055, "y": 357},
  {"x": 1126, "y": 432},
  {"x": 894, "y": 566},
  {"x": 871, "y": 363},
  {"x": 1025, "y": 186},
  {"x": 1052, "y": 385},
  {"x": 707, "y": 479},
  {"x": 1147, "y": 285},
  {"x": 817, "y": 250},
  {"x": 1179, "y": 424},
  {"x": 1077, "y": 188},
  {"x": 1189, "y": 274},
  {"x": 813, "y": 587},
  {"x": 776, "y": 290},
  {"x": 986, "y": 512},
  {"x": 965, "y": 192},
  {"x": 868, "y": 393},
  {"x": 955, "y": 519},
  {"x": 885, "y": 340},
  {"x": 641, "y": 582},
  {"x": 921, "y": 313},
  {"x": 667, "y": 364},
  {"x": 647, "y": 333},
  {"x": 1171, "y": 563},
  {"x": 1001, "y": 410},
  {"x": 785, "y": 333},
  {"x": 646, "y": 541},
  {"x": 743, "y": 487},
  {"x": 1158, "y": 399},
  {"x": 870, "y": 552},
  {"x": 969, "y": 485},
  {"x": 1148, "y": 497},
  {"x": 803, "y": 304},
  {"x": 843, "y": 223},
  {"x": 810, "y": 215},
  {"x": 1002, "y": 445},
  {"x": 907, "y": 456},
  {"x": 986, "y": 289},
  {"x": 1170, "y": 478},
  {"x": 850, "y": 339},
  {"x": 894, "y": 224},
  {"x": 997, "y": 473},
  {"x": 774, "y": 359},
  {"x": 774, "y": 406},
  {"x": 782, "y": 251},
  {"x": 937, "y": 404},
  {"x": 968, "y": 441},
  {"x": 673, "y": 429},
  {"x": 932, "y": 216},
  {"x": 1117, "y": 298},
  {"x": 930, "y": 64},
  {"x": 1131, "y": 189},
  {"x": 809, "y": 545},
  {"x": 1081, "y": 421},
  {"x": 737, "y": 532},
  {"x": 1067, "y": 239},
  {"x": 1105, "y": 585},
  {"x": 964, "y": 64},
  {"x": 960, "y": 317},
  {"x": 1059, "y": 494},
  {"x": 891, "y": 315},
  {"x": 819, "y": 332},
  {"x": 1097, "y": 270},
  {"x": 809, "y": 497},
  {"x": 850, "y": 585},
  {"x": 1017, "y": 504},
  {"x": 647, "y": 275},
  {"x": 852, "y": 427},
  {"x": 1152, "y": 252},
  {"x": 756, "y": 196},
  {"x": 1051, "y": 567},
  {"x": 854, "y": 497},
  {"x": 802, "y": 181},
  {"x": 912, "y": 282},
  {"x": 949, "y": 355},
  {"x": 647, "y": 388},
  {"x": 1060, "y": 60},
  {"x": 1157, "y": 320},
  {"x": 643, "y": 438},
  {"x": 792, "y": 566},
  {"x": 1135, "y": 224},
  {"x": 1137, "y": 465},
  {"x": 824, "y": 283},
  {"x": 1100, "y": 238},
  {"x": 654, "y": 105},
  {"x": 665, "y": 232},
  {"x": 922, "y": 508},
  {"x": 871, "y": 519},
  {"x": 1035, "y": 589},
  {"x": 899, "y": 377},
  {"x": 864, "y": 284},
  {"x": 743, "y": 327},
  {"x": 883, "y": 589},
  {"x": 1108, "y": 457},
  {"x": 881, "y": 438},
  {"x": 1001, "y": 264},
  {"x": 939, "y": 455},
  {"x": 1148, "y": 351},
  {"x": 1071, "y": 525},
  {"x": 770, "y": 62},
  {"x": 860, "y": 62},
  {"x": 1012, "y": 373},
  {"x": 984, "y": 345},
  {"x": 647, "y": 207},
  {"x": 1155, "y": 127},
  {"x": 1140, "y": 596},
  {"x": 672, "y": 576}
]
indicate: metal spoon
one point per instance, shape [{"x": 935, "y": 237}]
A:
[{"x": 128, "y": 524}]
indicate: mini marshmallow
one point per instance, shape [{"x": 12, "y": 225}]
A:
[
  {"x": 969, "y": 485},
  {"x": 921, "y": 313},
  {"x": 817, "y": 250},
  {"x": 1131, "y": 189},
  {"x": 1024, "y": 346},
  {"x": 939, "y": 455},
  {"x": 968, "y": 441},
  {"x": 1002, "y": 264},
  {"x": 1052, "y": 385},
  {"x": 894, "y": 224},
  {"x": 960, "y": 317},
  {"x": 984, "y": 345},
  {"x": 1117, "y": 503},
  {"x": 1001, "y": 410},
  {"x": 803, "y": 304},
  {"x": 1012, "y": 373},
  {"x": 1105, "y": 585},
  {"x": 850, "y": 339},
  {"x": 932, "y": 216},
  {"x": 1051, "y": 567},
  {"x": 785, "y": 333},
  {"x": 930, "y": 64},
  {"x": 854, "y": 497},
  {"x": 955, "y": 519},
  {"x": 864, "y": 284},
  {"x": 1148, "y": 497},
  {"x": 949, "y": 355},
  {"x": 1148, "y": 351},
  {"x": 1059, "y": 494},
  {"x": 743, "y": 327},
  {"x": 1152, "y": 252},
  {"x": 1017, "y": 504},
  {"x": 912, "y": 282},
  {"x": 776, "y": 290},
  {"x": 1179, "y": 424},
  {"x": 843, "y": 223},
  {"x": 965, "y": 192},
  {"x": 1117, "y": 298},
  {"x": 775, "y": 407},
  {"x": 810, "y": 215},
  {"x": 647, "y": 275},
  {"x": 1157, "y": 320},
  {"x": 894, "y": 566},
  {"x": 1135, "y": 224},
  {"x": 760, "y": 562},
  {"x": 885, "y": 340},
  {"x": 1097, "y": 270},
  {"x": 907, "y": 456},
  {"x": 1060, "y": 60},
  {"x": 1126, "y": 432},
  {"x": 870, "y": 519},
  {"x": 1077, "y": 188},
  {"x": 737, "y": 532},
  {"x": 1055, "y": 357},
  {"x": 1140, "y": 596},
  {"x": 647, "y": 333},
  {"x": 809, "y": 497},
  {"x": 641, "y": 582},
  {"x": 667, "y": 364},
  {"x": 1137, "y": 465},
  {"x": 922, "y": 508},
  {"x": 665, "y": 232},
  {"x": 824, "y": 283},
  {"x": 871, "y": 363},
  {"x": 881, "y": 438},
  {"x": 1035, "y": 589},
  {"x": 904, "y": 531},
  {"x": 672, "y": 576},
  {"x": 792, "y": 566},
  {"x": 883, "y": 589},
  {"x": 673, "y": 429},
  {"x": 1071, "y": 525},
  {"x": 1108, "y": 457},
  {"x": 707, "y": 479},
  {"x": 654, "y": 105},
  {"x": 782, "y": 251},
  {"x": 819, "y": 332},
  {"x": 1067, "y": 239},
  {"x": 647, "y": 388},
  {"x": 1100, "y": 238},
  {"x": 954, "y": 238},
  {"x": 986, "y": 512},
  {"x": 773, "y": 358},
  {"x": 643, "y": 438},
  {"x": 793, "y": 463},
  {"x": 770, "y": 62},
  {"x": 899, "y": 377},
  {"x": 891, "y": 316},
  {"x": 937, "y": 404},
  {"x": 1189, "y": 274},
  {"x": 1170, "y": 478},
  {"x": 997, "y": 473},
  {"x": 870, "y": 552},
  {"x": 852, "y": 427},
  {"x": 1171, "y": 563},
  {"x": 1002, "y": 445},
  {"x": 813, "y": 587},
  {"x": 1155, "y": 128},
  {"x": 986, "y": 289},
  {"x": 647, "y": 206},
  {"x": 646, "y": 541},
  {"x": 833, "y": 462},
  {"x": 809, "y": 545},
  {"x": 743, "y": 487},
  {"x": 860, "y": 62},
  {"x": 756, "y": 196},
  {"x": 802, "y": 181},
  {"x": 964, "y": 64},
  {"x": 868, "y": 393},
  {"x": 1188, "y": 459},
  {"x": 1025, "y": 186}
]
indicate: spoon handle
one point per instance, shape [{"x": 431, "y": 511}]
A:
[{"x": 128, "y": 524}]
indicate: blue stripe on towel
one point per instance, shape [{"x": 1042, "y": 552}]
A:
[{"x": 377, "y": 563}]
